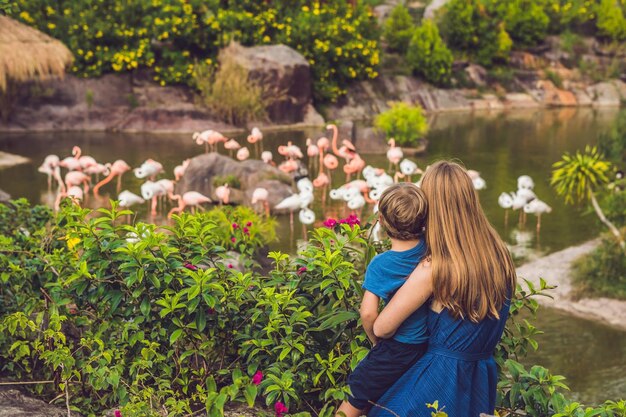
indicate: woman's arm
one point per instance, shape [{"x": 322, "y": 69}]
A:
[{"x": 413, "y": 293}]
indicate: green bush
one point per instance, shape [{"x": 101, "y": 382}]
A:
[
  {"x": 470, "y": 26},
  {"x": 153, "y": 320},
  {"x": 602, "y": 273},
  {"x": 428, "y": 55},
  {"x": 398, "y": 29},
  {"x": 611, "y": 22},
  {"x": 613, "y": 143},
  {"x": 169, "y": 37},
  {"x": 525, "y": 21},
  {"x": 403, "y": 122}
]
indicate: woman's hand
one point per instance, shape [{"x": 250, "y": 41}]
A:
[{"x": 413, "y": 293}]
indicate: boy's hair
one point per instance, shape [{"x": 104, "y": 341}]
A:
[{"x": 403, "y": 211}]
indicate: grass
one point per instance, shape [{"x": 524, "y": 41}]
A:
[{"x": 601, "y": 273}]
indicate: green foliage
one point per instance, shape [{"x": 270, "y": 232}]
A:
[
  {"x": 403, "y": 122},
  {"x": 555, "y": 78},
  {"x": 169, "y": 37},
  {"x": 472, "y": 27},
  {"x": 613, "y": 143},
  {"x": 602, "y": 272},
  {"x": 8, "y": 7},
  {"x": 231, "y": 180},
  {"x": 611, "y": 21},
  {"x": 526, "y": 21},
  {"x": 428, "y": 55},
  {"x": 398, "y": 29},
  {"x": 230, "y": 94},
  {"x": 577, "y": 176}
]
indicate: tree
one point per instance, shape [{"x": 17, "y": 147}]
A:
[
  {"x": 428, "y": 55},
  {"x": 578, "y": 176},
  {"x": 398, "y": 29}
]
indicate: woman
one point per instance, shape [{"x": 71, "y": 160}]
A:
[{"x": 471, "y": 278}]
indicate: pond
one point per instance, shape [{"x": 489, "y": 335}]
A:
[{"x": 501, "y": 146}]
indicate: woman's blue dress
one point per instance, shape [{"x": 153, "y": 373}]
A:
[{"x": 458, "y": 370}]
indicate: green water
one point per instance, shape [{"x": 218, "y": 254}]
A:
[{"x": 500, "y": 146}]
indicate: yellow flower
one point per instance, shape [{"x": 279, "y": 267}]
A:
[
  {"x": 266, "y": 38},
  {"x": 305, "y": 8},
  {"x": 51, "y": 26},
  {"x": 99, "y": 34},
  {"x": 72, "y": 242},
  {"x": 49, "y": 10},
  {"x": 26, "y": 17}
]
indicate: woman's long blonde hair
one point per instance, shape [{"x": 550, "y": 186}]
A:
[{"x": 472, "y": 270}]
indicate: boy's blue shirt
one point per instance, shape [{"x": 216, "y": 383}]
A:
[{"x": 385, "y": 274}]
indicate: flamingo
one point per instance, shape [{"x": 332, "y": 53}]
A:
[
  {"x": 48, "y": 166},
  {"x": 71, "y": 163},
  {"x": 525, "y": 182},
  {"x": 520, "y": 199},
  {"x": 243, "y": 154},
  {"x": 73, "y": 178},
  {"x": 150, "y": 191},
  {"x": 149, "y": 169},
  {"x": 537, "y": 207},
  {"x": 321, "y": 181},
  {"x": 118, "y": 168},
  {"x": 330, "y": 162},
  {"x": 179, "y": 170},
  {"x": 232, "y": 145},
  {"x": 74, "y": 192},
  {"x": 293, "y": 203},
  {"x": 267, "y": 157},
  {"x": 256, "y": 138},
  {"x": 210, "y": 138},
  {"x": 85, "y": 161},
  {"x": 190, "y": 198},
  {"x": 223, "y": 193},
  {"x": 394, "y": 154},
  {"x": 478, "y": 182},
  {"x": 261, "y": 194},
  {"x": 104, "y": 169},
  {"x": 312, "y": 151},
  {"x": 307, "y": 218},
  {"x": 128, "y": 199},
  {"x": 354, "y": 166},
  {"x": 347, "y": 150},
  {"x": 408, "y": 168},
  {"x": 288, "y": 166}
]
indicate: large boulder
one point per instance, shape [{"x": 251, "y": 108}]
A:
[
  {"x": 4, "y": 197},
  {"x": 604, "y": 94},
  {"x": 251, "y": 174},
  {"x": 279, "y": 68},
  {"x": 15, "y": 404}
]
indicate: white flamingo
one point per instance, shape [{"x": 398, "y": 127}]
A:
[{"x": 537, "y": 207}]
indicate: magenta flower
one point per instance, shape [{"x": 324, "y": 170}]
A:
[
  {"x": 235, "y": 226},
  {"x": 118, "y": 413},
  {"x": 230, "y": 266},
  {"x": 190, "y": 266},
  {"x": 246, "y": 230},
  {"x": 233, "y": 239},
  {"x": 280, "y": 409},
  {"x": 248, "y": 224},
  {"x": 257, "y": 378},
  {"x": 330, "y": 222},
  {"x": 301, "y": 270},
  {"x": 211, "y": 310}
]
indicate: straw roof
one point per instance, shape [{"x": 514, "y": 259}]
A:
[{"x": 26, "y": 53}]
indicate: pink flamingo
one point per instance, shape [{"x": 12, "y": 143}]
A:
[
  {"x": 261, "y": 195},
  {"x": 179, "y": 170},
  {"x": 256, "y": 138},
  {"x": 149, "y": 169},
  {"x": 72, "y": 163},
  {"x": 84, "y": 160},
  {"x": 330, "y": 162},
  {"x": 50, "y": 162},
  {"x": 312, "y": 151},
  {"x": 243, "y": 154},
  {"x": 104, "y": 169},
  {"x": 322, "y": 181},
  {"x": 394, "y": 154},
  {"x": 288, "y": 166},
  {"x": 354, "y": 166},
  {"x": 232, "y": 145},
  {"x": 75, "y": 193},
  {"x": 223, "y": 193},
  {"x": 347, "y": 150},
  {"x": 118, "y": 168},
  {"x": 190, "y": 198},
  {"x": 75, "y": 178}
]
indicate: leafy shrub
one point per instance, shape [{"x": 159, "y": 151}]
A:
[
  {"x": 231, "y": 180},
  {"x": 611, "y": 21},
  {"x": 602, "y": 272},
  {"x": 403, "y": 122},
  {"x": 230, "y": 94},
  {"x": 469, "y": 26},
  {"x": 398, "y": 29},
  {"x": 613, "y": 143},
  {"x": 169, "y": 37},
  {"x": 428, "y": 55},
  {"x": 555, "y": 78},
  {"x": 525, "y": 20}
]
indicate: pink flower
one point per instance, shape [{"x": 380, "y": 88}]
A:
[
  {"x": 211, "y": 310},
  {"x": 118, "y": 413},
  {"x": 248, "y": 224},
  {"x": 190, "y": 266},
  {"x": 230, "y": 266},
  {"x": 301, "y": 270},
  {"x": 280, "y": 409},
  {"x": 233, "y": 239},
  {"x": 330, "y": 222},
  {"x": 257, "y": 378},
  {"x": 235, "y": 226},
  {"x": 246, "y": 230}
]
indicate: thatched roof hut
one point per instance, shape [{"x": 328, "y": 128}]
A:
[{"x": 26, "y": 53}]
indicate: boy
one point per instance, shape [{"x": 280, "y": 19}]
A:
[{"x": 402, "y": 213}]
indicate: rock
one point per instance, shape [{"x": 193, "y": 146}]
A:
[
  {"x": 312, "y": 117},
  {"x": 524, "y": 60},
  {"x": 382, "y": 12},
  {"x": 621, "y": 88},
  {"x": 15, "y": 404},
  {"x": 487, "y": 102},
  {"x": 251, "y": 173},
  {"x": 4, "y": 197},
  {"x": 560, "y": 98},
  {"x": 582, "y": 97},
  {"x": 604, "y": 95},
  {"x": 282, "y": 69},
  {"x": 9, "y": 159},
  {"x": 476, "y": 74},
  {"x": 432, "y": 8},
  {"x": 520, "y": 100},
  {"x": 181, "y": 118}
]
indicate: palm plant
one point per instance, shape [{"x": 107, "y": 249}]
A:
[{"x": 578, "y": 176}]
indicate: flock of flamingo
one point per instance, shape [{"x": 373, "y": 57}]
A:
[{"x": 364, "y": 184}]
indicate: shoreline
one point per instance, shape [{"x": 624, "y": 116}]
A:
[{"x": 555, "y": 269}]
